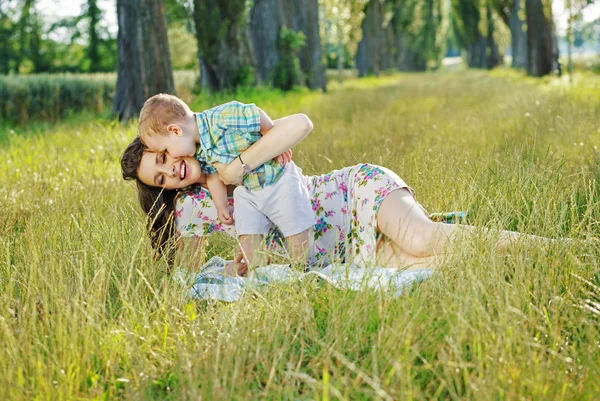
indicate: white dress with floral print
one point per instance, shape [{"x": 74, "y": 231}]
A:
[{"x": 345, "y": 202}]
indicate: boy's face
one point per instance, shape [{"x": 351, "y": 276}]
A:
[{"x": 177, "y": 143}]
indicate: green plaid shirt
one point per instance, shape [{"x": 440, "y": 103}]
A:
[{"x": 225, "y": 132}]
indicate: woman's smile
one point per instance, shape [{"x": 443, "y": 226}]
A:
[{"x": 182, "y": 170}]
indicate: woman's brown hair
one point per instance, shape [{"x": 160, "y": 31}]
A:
[{"x": 157, "y": 203}]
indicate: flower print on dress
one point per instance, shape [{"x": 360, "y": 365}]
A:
[
  {"x": 320, "y": 228},
  {"x": 212, "y": 227},
  {"x": 381, "y": 193},
  {"x": 344, "y": 190},
  {"x": 368, "y": 174},
  {"x": 316, "y": 205},
  {"x": 321, "y": 252},
  {"x": 190, "y": 228},
  {"x": 345, "y": 201},
  {"x": 329, "y": 195}
]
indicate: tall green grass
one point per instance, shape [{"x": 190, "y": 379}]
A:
[{"x": 86, "y": 314}]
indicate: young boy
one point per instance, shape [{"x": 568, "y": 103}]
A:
[{"x": 271, "y": 193}]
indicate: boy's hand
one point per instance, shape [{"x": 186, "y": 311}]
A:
[
  {"x": 232, "y": 173},
  {"x": 225, "y": 216},
  {"x": 285, "y": 157},
  {"x": 236, "y": 268}
]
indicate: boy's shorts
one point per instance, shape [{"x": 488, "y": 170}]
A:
[{"x": 285, "y": 204}]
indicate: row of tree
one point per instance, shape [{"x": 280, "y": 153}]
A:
[
  {"x": 283, "y": 42},
  {"x": 278, "y": 42},
  {"x": 27, "y": 44}
]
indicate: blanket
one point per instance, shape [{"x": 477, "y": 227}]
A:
[{"x": 210, "y": 284}]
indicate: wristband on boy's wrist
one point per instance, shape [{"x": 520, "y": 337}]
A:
[{"x": 246, "y": 169}]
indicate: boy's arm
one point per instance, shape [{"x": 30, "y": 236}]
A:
[
  {"x": 284, "y": 134},
  {"x": 218, "y": 192}
]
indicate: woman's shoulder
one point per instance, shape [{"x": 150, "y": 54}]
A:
[{"x": 194, "y": 193}]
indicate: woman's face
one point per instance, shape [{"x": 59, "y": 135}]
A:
[{"x": 163, "y": 171}]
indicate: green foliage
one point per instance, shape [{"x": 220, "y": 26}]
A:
[
  {"x": 287, "y": 71},
  {"x": 475, "y": 28},
  {"x": 340, "y": 24},
  {"x": 424, "y": 25},
  {"x": 51, "y": 97},
  {"x": 27, "y": 46},
  {"x": 183, "y": 47}
]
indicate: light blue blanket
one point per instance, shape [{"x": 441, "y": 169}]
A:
[{"x": 210, "y": 284}]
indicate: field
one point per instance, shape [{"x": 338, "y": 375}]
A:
[{"x": 85, "y": 313}]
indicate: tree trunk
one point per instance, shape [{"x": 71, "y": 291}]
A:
[
  {"x": 265, "y": 24},
  {"x": 93, "y": 50},
  {"x": 518, "y": 36},
  {"x": 224, "y": 50},
  {"x": 267, "y": 17},
  {"x": 144, "y": 66},
  {"x": 494, "y": 58},
  {"x": 540, "y": 33},
  {"x": 310, "y": 55},
  {"x": 368, "y": 55}
]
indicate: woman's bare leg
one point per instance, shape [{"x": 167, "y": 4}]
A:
[
  {"x": 250, "y": 247},
  {"x": 402, "y": 220},
  {"x": 390, "y": 255}
]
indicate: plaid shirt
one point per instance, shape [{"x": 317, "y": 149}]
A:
[{"x": 225, "y": 132}]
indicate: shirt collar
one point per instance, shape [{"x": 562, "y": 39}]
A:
[{"x": 203, "y": 131}]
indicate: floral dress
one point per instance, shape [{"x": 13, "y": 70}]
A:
[{"x": 345, "y": 203}]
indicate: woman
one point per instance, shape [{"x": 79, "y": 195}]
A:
[{"x": 352, "y": 206}]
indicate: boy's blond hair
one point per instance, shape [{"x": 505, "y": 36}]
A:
[{"x": 158, "y": 112}]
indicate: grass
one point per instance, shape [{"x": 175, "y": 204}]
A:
[{"x": 86, "y": 314}]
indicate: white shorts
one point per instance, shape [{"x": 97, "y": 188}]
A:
[{"x": 285, "y": 204}]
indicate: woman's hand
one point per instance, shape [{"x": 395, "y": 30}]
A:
[
  {"x": 233, "y": 173},
  {"x": 236, "y": 268}
]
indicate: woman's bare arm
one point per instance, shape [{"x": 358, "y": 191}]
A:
[
  {"x": 285, "y": 133},
  {"x": 189, "y": 252}
]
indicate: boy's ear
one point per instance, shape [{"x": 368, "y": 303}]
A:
[{"x": 174, "y": 129}]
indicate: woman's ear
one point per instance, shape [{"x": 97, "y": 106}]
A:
[{"x": 174, "y": 129}]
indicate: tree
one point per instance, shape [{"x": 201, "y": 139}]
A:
[
  {"x": 8, "y": 44},
  {"x": 542, "y": 52},
  {"x": 224, "y": 49},
  {"x": 474, "y": 26},
  {"x": 341, "y": 27},
  {"x": 420, "y": 28},
  {"x": 144, "y": 66},
  {"x": 510, "y": 12},
  {"x": 575, "y": 8},
  {"x": 268, "y": 18},
  {"x": 372, "y": 45},
  {"x": 93, "y": 49}
]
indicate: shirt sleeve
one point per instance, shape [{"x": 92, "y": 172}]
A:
[
  {"x": 196, "y": 215},
  {"x": 207, "y": 168},
  {"x": 240, "y": 117}
]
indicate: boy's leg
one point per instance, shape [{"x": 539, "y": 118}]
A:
[
  {"x": 289, "y": 207},
  {"x": 251, "y": 226},
  {"x": 250, "y": 246}
]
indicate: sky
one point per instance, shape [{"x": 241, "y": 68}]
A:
[{"x": 56, "y": 9}]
